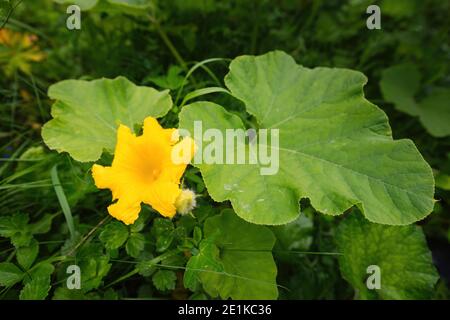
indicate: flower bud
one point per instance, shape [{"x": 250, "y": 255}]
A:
[{"x": 185, "y": 202}]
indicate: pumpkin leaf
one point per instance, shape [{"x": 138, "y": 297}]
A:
[
  {"x": 400, "y": 252},
  {"x": 335, "y": 147}
]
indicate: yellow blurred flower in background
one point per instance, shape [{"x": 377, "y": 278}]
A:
[
  {"x": 143, "y": 170},
  {"x": 17, "y": 50}
]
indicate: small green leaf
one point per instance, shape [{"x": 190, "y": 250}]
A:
[
  {"x": 135, "y": 244},
  {"x": 146, "y": 267},
  {"x": 43, "y": 225},
  {"x": 86, "y": 114},
  {"x": 17, "y": 229},
  {"x": 114, "y": 235},
  {"x": 399, "y": 84},
  {"x": 162, "y": 231},
  {"x": 435, "y": 112},
  {"x": 36, "y": 289},
  {"x": 442, "y": 180},
  {"x": 401, "y": 253},
  {"x": 92, "y": 272},
  {"x": 10, "y": 225},
  {"x": 27, "y": 255},
  {"x": 10, "y": 274},
  {"x": 139, "y": 224},
  {"x": 171, "y": 81},
  {"x": 164, "y": 280},
  {"x": 42, "y": 269}
]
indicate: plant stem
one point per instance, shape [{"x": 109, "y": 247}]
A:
[{"x": 153, "y": 261}]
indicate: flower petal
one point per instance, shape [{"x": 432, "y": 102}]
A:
[
  {"x": 162, "y": 196},
  {"x": 126, "y": 209}
]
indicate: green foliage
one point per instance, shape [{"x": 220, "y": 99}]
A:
[
  {"x": 337, "y": 155},
  {"x": 401, "y": 253}
]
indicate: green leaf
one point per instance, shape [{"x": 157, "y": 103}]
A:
[
  {"x": 10, "y": 274},
  {"x": 36, "y": 289},
  {"x": 442, "y": 180},
  {"x": 135, "y": 244},
  {"x": 93, "y": 270},
  {"x": 297, "y": 235},
  {"x": 16, "y": 228},
  {"x": 139, "y": 224},
  {"x": 163, "y": 230},
  {"x": 114, "y": 235},
  {"x": 164, "y": 280},
  {"x": 43, "y": 225},
  {"x": 205, "y": 264},
  {"x": 335, "y": 147},
  {"x": 401, "y": 253},
  {"x": 94, "y": 265},
  {"x": 173, "y": 80},
  {"x": 42, "y": 269},
  {"x": 249, "y": 271},
  {"x": 86, "y": 114},
  {"x": 435, "y": 112},
  {"x": 10, "y": 225},
  {"x": 27, "y": 255},
  {"x": 399, "y": 84}
]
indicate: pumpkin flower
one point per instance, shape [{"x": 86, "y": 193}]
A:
[
  {"x": 147, "y": 169},
  {"x": 17, "y": 50}
]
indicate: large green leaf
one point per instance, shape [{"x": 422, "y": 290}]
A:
[
  {"x": 242, "y": 267},
  {"x": 87, "y": 113},
  {"x": 401, "y": 253},
  {"x": 335, "y": 147}
]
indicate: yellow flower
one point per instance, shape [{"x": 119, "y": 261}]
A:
[
  {"x": 17, "y": 50},
  {"x": 144, "y": 170}
]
